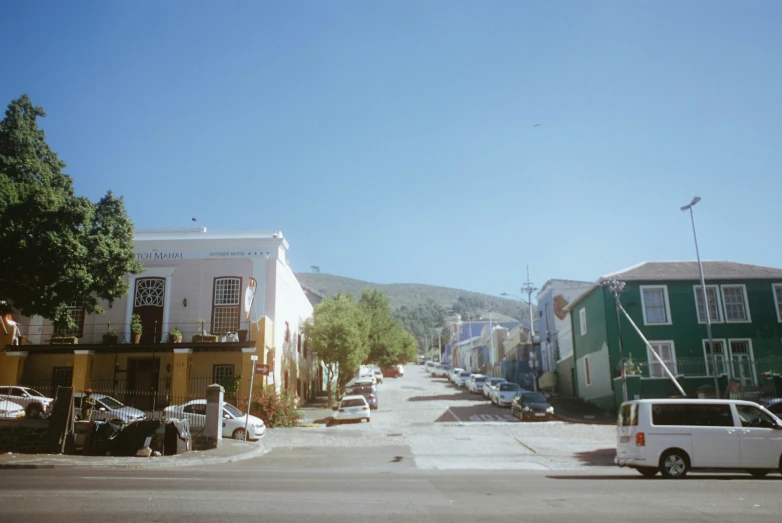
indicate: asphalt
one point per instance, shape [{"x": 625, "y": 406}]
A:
[{"x": 229, "y": 451}]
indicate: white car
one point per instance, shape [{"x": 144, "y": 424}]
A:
[
  {"x": 108, "y": 409},
  {"x": 503, "y": 393},
  {"x": 441, "y": 371},
  {"x": 11, "y": 410},
  {"x": 475, "y": 383},
  {"x": 34, "y": 402},
  {"x": 489, "y": 384},
  {"x": 378, "y": 375},
  {"x": 455, "y": 371},
  {"x": 352, "y": 408},
  {"x": 460, "y": 380},
  {"x": 234, "y": 420},
  {"x": 401, "y": 369}
]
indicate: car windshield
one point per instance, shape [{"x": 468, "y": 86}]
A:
[
  {"x": 495, "y": 381},
  {"x": 233, "y": 411},
  {"x": 534, "y": 397},
  {"x": 479, "y": 380},
  {"x": 362, "y": 390},
  {"x": 465, "y": 374},
  {"x": 111, "y": 403},
  {"x": 508, "y": 386}
]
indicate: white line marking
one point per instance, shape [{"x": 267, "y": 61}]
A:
[
  {"x": 454, "y": 415},
  {"x": 124, "y": 478}
]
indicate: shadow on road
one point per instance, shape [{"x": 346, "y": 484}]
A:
[
  {"x": 690, "y": 476},
  {"x": 597, "y": 458},
  {"x": 476, "y": 413}
]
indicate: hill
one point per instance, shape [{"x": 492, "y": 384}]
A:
[{"x": 411, "y": 295}]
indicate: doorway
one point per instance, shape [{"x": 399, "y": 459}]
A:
[
  {"x": 148, "y": 304},
  {"x": 143, "y": 376}
]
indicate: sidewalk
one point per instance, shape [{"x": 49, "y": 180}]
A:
[
  {"x": 575, "y": 411},
  {"x": 228, "y": 452},
  {"x": 316, "y": 412}
]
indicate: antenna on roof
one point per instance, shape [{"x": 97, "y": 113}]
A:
[
  {"x": 315, "y": 269},
  {"x": 203, "y": 229}
]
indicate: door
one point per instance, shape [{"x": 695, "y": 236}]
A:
[
  {"x": 148, "y": 304},
  {"x": 741, "y": 362},
  {"x": 142, "y": 383},
  {"x": 761, "y": 444}
]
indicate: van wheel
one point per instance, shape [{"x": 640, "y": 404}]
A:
[
  {"x": 34, "y": 410},
  {"x": 759, "y": 473},
  {"x": 674, "y": 464},
  {"x": 647, "y": 472}
]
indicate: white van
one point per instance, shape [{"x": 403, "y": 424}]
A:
[{"x": 673, "y": 436}]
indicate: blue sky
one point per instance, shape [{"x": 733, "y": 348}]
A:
[{"x": 394, "y": 142}]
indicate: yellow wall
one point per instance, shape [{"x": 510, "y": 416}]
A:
[{"x": 38, "y": 367}]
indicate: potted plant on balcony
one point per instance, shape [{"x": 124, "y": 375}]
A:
[
  {"x": 175, "y": 335},
  {"x": 136, "y": 328},
  {"x": 110, "y": 338},
  {"x": 242, "y": 333},
  {"x": 202, "y": 337}
]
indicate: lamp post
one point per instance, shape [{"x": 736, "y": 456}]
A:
[{"x": 689, "y": 207}]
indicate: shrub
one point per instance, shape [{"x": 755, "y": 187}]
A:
[{"x": 275, "y": 410}]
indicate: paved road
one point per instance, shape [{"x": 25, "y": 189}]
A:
[{"x": 385, "y": 470}]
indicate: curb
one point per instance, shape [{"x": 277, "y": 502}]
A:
[
  {"x": 583, "y": 421},
  {"x": 150, "y": 463}
]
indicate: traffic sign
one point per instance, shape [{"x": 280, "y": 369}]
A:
[{"x": 261, "y": 370}]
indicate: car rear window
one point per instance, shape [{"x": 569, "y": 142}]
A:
[
  {"x": 354, "y": 403},
  {"x": 628, "y": 415},
  {"x": 508, "y": 386},
  {"x": 682, "y": 414}
]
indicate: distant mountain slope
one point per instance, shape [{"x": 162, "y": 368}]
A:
[{"x": 412, "y": 295}]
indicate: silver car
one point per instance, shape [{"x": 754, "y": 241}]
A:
[
  {"x": 503, "y": 393},
  {"x": 489, "y": 384},
  {"x": 35, "y": 404},
  {"x": 108, "y": 409}
]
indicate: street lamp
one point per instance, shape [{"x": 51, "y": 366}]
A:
[{"x": 689, "y": 207}]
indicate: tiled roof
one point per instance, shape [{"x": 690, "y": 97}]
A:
[{"x": 688, "y": 270}]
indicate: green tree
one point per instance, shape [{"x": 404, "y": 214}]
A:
[
  {"x": 57, "y": 248},
  {"x": 338, "y": 332}
]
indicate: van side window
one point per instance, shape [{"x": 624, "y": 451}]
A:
[
  {"x": 754, "y": 417},
  {"x": 718, "y": 415}
]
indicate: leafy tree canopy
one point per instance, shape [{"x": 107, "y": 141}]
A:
[
  {"x": 389, "y": 343},
  {"x": 423, "y": 319},
  {"x": 57, "y": 248}
]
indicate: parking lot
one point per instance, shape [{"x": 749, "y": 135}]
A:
[{"x": 440, "y": 426}]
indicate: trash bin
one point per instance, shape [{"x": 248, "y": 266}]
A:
[{"x": 177, "y": 438}]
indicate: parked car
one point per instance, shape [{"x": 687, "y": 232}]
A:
[
  {"x": 428, "y": 365},
  {"x": 234, "y": 420},
  {"x": 392, "y": 372},
  {"x": 441, "y": 371},
  {"x": 460, "y": 380},
  {"x": 11, "y": 410},
  {"x": 773, "y": 405},
  {"x": 378, "y": 375},
  {"x": 401, "y": 369},
  {"x": 363, "y": 382},
  {"x": 108, "y": 409},
  {"x": 475, "y": 383},
  {"x": 674, "y": 436},
  {"x": 34, "y": 402},
  {"x": 531, "y": 405},
  {"x": 369, "y": 392},
  {"x": 503, "y": 393},
  {"x": 420, "y": 360},
  {"x": 352, "y": 408},
  {"x": 489, "y": 384},
  {"x": 453, "y": 372}
]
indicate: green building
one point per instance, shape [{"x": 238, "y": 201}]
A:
[{"x": 665, "y": 301}]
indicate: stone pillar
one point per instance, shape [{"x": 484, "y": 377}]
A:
[
  {"x": 179, "y": 384},
  {"x": 82, "y": 368},
  {"x": 12, "y": 367},
  {"x": 213, "y": 429}
]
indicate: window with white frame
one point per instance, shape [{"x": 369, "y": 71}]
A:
[
  {"x": 656, "y": 308},
  {"x": 225, "y": 307},
  {"x": 582, "y": 317},
  {"x": 76, "y": 312},
  {"x": 715, "y": 314},
  {"x": 667, "y": 353},
  {"x": 741, "y": 362},
  {"x": 777, "y": 288},
  {"x": 715, "y": 355},
  {"x": 734, "y": 297},
  {"x": 587, "y": 372}
]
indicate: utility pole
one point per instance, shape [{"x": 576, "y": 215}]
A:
[
  {"x": 529, "y": 289},
  {"x": 491, "y": 338},
  {"x": 617, "y": 287}
]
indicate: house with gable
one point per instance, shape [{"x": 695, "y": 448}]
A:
[{"x": 666, "y": 303}]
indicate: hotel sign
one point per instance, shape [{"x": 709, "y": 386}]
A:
[{"x": 199, "y": 254}]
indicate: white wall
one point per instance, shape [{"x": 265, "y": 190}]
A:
[{"x": 600, "y": 372}]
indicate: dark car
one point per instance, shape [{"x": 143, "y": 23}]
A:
[
  {"x": 528, "y": 405},
  {"x": 369, "y": 393},
  {"x": 773, "y": 405}
]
